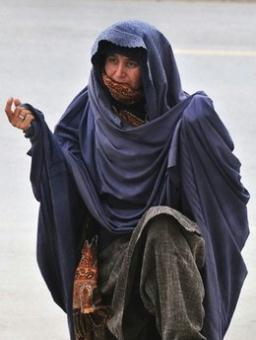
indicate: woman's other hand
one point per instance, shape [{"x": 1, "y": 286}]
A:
[{"x": 18, "y": 116}]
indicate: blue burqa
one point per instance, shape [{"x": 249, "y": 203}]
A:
[{"x": 181, "y": 157}]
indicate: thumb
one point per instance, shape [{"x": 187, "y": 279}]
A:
[{"x": 16, "y": 101}]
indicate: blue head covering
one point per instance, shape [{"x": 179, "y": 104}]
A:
[{"x": 161, "y": 81}]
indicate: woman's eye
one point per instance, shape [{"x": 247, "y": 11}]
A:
[
  {"x": 132, "y": 64},
  {"x": 112, "y": 60}
]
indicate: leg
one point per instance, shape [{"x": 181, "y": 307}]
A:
[{"x": 171, "y": 287}]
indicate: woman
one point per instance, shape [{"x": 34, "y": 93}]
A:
[{"x": 149, "y": 170}]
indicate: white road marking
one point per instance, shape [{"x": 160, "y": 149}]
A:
[{"x": 216, "y": 53}]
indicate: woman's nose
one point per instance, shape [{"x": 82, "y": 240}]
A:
[{"x": 120, "y": 70}]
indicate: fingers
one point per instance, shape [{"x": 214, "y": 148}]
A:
[
  {"x": 8, "y": 108},
  {"x": 16, "y": 101},
  {"x": 26, "y": 123},
  {"x": 20, "y": 117}
]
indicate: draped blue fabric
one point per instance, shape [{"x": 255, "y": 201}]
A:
[{"x": 181, "y": 157}]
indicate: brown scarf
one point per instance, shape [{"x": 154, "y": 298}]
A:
[{"x": 122, "y": 92}]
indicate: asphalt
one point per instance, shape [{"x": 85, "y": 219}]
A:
[{"x": 45, "y": 60}]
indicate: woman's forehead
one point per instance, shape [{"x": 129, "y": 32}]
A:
[
  {"x": 107, "y": 48},
  {"x": 122, "y": 56}
]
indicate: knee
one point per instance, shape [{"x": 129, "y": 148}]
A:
[
  {"x": 165, "y": 232},
  {"x": 164, "y": 229}
]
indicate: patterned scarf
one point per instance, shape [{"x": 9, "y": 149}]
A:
[
  {"x": 90, "y": 315},
  {"x": 122, "y": 92}
]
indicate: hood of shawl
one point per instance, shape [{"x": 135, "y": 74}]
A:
[{"x": 161, "y": 80}]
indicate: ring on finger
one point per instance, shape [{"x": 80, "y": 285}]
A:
[{"x": 21, "y": 117}]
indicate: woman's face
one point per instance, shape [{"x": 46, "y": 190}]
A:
[{"x": 123, "y": 70}]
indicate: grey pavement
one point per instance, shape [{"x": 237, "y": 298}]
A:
[{"x": 45, "y": 60}]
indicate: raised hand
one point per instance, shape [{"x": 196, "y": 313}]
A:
[{"x": 18, "y": 116}]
